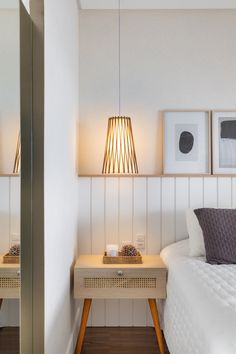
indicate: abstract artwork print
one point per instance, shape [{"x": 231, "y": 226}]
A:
[
  {"x": 224, "y": 142},
  {"x": 227, "y": 143},
  {"x": 186, "y": 142}
]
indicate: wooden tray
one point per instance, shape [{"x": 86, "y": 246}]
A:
[
  {"x": 11, "y": 259},
  {"x": 123, "y": 260}
]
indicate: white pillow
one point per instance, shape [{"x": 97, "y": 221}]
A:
[{"x": 196, "y": 240}]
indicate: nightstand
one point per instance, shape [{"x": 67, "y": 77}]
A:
[
  {"x": 95, "y": 280},
  {"x": 9, "y": 281}
]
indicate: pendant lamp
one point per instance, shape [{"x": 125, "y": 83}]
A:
[{"x": 119, "y": 156}]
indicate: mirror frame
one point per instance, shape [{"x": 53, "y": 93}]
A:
[{"x": 32, "y": 178}]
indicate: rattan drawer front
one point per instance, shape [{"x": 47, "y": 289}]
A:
[
  {"x": 120, "y": 283},
  {"x": 9, "y": 284},
  {"x": 115, "y": 283}
]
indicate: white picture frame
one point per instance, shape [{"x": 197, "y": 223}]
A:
[
  {"x": 224, "y": 142},
  {"x": 186, "y": 142}
]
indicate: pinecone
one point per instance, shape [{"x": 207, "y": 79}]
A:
[
  {"x": 14, "y": 250},
  {"x": 129, "y": 250}
]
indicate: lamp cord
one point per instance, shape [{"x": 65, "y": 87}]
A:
[{"x": 119, "y": 79}]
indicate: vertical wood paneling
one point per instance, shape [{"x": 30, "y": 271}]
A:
[
  {"x": 181, "y": 204},
  {"x": 112, "y": 210},
  {"x": 125, "y": 209},
  {"x": 196, "y": 192},
  {"x": 98, "y": 240},
  {"x": 234, "y": 192},
  {"x": 85, "y": 240},
  {"x": 168, "y": 211},
  {"x": 98, "y": 215},
  {"x": 140, "y": 227},
  {"x": 224, "y": 192},
  {"x": 126, "y": 233},
  {"x": 112, "y": 236},
  {"x": 4, "y": 215},
  {"x": 116, "y": 209},
  {"x": 85, "y": 216},
  {"x": 154, "y": 216},
  {"x": 210, "y": 192},
  {"x": 140, "y": 207},
  {"x": 153, "y": 238},
  {"x": 15, "y": 210}
]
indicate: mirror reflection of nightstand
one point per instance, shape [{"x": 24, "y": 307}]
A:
[{"x": 9, "y": 281}]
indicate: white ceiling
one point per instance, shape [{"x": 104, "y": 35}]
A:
[
  {"x": 9, "y": 4},
  {"x": 157, "y": 4}
]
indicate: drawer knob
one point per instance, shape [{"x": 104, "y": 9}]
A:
[{"x": 120, "y": 273}]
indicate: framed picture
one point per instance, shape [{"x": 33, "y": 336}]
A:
[
  {"x": 187, "y": 142},
  {"x": 224, "y": 142}
]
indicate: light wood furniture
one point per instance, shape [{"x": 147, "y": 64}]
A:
[
  {"x": 95, "y": 280},
  {"x": 9, "y": 281}
]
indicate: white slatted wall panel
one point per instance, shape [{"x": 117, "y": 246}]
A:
[
  {"x": 116, "y": 209},
  {"x": 9, "y": 234}
]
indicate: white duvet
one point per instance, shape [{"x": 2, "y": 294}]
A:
[{"x": 200, "y": 310}]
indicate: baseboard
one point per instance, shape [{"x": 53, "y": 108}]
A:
[{"x": 73, "y": 336}]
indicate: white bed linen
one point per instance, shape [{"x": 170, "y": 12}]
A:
[{"x": 200, "y": 310}]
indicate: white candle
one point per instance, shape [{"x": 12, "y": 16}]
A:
[{"x": 112, "y": 250}]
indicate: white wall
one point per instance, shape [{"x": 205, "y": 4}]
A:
[
  {"x": 61, "y": 181},
  {"x": 169, "y": 60},
  {"x": 9, "y": 87},
  {"x": 9, "y": 235}
]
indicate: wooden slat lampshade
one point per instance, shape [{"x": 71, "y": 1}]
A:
[
  {"x": 120, "y": 157},
  {"x": 17, "y": 162}
]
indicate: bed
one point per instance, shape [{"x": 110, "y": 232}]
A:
[{"x": 199, "y": 315}]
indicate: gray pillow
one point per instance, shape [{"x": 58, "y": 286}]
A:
[{"x": 219, "y": 232}]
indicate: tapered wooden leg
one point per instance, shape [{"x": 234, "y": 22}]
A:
[
  {"x": 154, "y": 312},
  {"x": 1, "y": 303},
  {"x": 80, "y": 340}
]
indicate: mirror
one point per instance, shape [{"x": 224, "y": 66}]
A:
[{"x": 10, "y": 183}]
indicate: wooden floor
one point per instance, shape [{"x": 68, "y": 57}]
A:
[
  {"x": 122, "y": 340},
  {"x": 9, "y": 340},
  {"x": 98, "y": 340}
]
